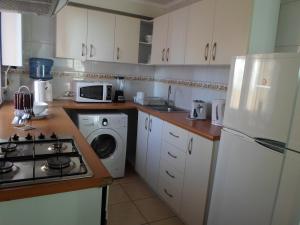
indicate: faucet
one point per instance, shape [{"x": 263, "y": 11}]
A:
[{"x": 169, "y": 93}]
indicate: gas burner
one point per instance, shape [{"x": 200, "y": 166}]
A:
[
  {"x": 57, "y": 147},
  {"x": 9, "y": 147},
  {"x": 6, "y": 167},
  {"x": 60, "y": 162}
]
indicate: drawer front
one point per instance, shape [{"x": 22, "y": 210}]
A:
[
  {"x": 175, "y": 136},
  {"x": 171, "y": 194},
  {"x": 170, "y": 174},
  {"x": 173, "y": 156}
]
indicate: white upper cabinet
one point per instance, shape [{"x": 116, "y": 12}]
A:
[
  {"x": 71, "y": 32},
  {"x": 200, "y": 32},
  {"x": 231, "y": 30},
  {"x": 127, "y": 39},
  {"x": 94, "y": 35},
  {"x": 159, "y": 40},
  {"x": 177, "y": 36},
  {"x": 100, "y": 37}
]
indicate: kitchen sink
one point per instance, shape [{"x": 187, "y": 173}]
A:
[{"x": 165, "y": 108}]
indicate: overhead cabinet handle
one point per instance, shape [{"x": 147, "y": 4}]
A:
[
  {"x": 118, "y": 53},
  {"x": 168, "y": 53},
  {"x": 83, "y": 49},
  {"x": 163, "y": 55},
  {"x": 206, "y": 52},
  {"x": 176, "y": 136},
  {"x": 91, "y": 51},
  {"x": 214, "y": 51}
]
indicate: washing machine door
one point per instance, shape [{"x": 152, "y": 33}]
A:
[{"x": 105, "y": 143}]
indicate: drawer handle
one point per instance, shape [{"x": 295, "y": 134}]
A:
[
  {"x": 170, "y": 175},
  {"x": 167, "y": 193},
  {"x": 173, "y": 156},
  {"x": 173, "y": 135}
]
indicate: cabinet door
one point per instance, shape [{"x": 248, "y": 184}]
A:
[
  {"x": 141, "y": 145},
  {"x": 101, "y": 34},
  {"x": 153, "y": 153},
  {"x": 159, "y": 40},
  {"x": 199, "y": 32},
  {"x": 196, "y": 180},
  {"x": 177, "y": 36},
  {"x": 71, "y": 32},
  {"x": 231, "y": 30},
  {"x": 127, "y": 39}
]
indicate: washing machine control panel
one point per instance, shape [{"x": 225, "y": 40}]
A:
[{"x": 104, "y": 122}]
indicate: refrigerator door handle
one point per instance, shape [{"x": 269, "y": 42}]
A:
[{"x": 271, "y": 144}]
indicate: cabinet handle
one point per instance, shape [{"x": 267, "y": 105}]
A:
[
  {"x": 118, "y": 53},
  {"x": 190, "y": 147},
  {"x": 206, "y": 52},
  {"x": 150, "y": 125},
  {"x": 163, "y": 55},
  {"x": 167, "y": 54},
  {"x": 173, "y": 156},
  {"x": 91, "y": 51},
  {"x": 83, "y": 48},
  {"x": 146, "y": 123},
  {"x": 170, "y": 175},
  {"x": 167, "y": 193},
  {"x": 173, "y": 135},
  {"x": 214, "y": 51}
]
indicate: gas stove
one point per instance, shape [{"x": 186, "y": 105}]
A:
[{"x": 39, "y": 159}]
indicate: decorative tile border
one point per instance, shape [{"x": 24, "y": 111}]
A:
[{"x": 107, "y": 76}]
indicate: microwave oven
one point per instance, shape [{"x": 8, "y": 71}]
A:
[{"x": 86, "y": 91}]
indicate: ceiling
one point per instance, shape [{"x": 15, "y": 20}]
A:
[{"x": 161, "y": 3}]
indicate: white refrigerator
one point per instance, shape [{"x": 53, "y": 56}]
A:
[{"x": 258, "y": 116}]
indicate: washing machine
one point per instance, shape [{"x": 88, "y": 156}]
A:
[{"x": 107, "y": 135}]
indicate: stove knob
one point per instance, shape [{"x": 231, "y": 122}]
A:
[
  {"x": 15, "y": 137},
  {"x": 53, "y": 136},
  {"x": 28, "y": 137},
  {"x": 105, "y": 122},
  {"x": 41, "y": 136}
]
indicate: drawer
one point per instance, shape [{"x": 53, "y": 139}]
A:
[
  {"x": 173, "y": 156},
  {"x": 171, "y": 194},
  {"x": 170, "y": 174},
  {"x": 175, "y": 136}
]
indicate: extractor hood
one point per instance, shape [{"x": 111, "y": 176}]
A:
[{"x": 39, "y": 7}]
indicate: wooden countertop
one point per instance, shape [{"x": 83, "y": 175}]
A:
[{"x": 61, "y": 124}]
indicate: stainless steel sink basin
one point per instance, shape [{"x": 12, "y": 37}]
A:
[{"x": 165, "y": 108}]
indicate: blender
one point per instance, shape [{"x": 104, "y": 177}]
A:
[{"x": 119, "y": 93}]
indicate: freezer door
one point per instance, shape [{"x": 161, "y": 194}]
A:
[
  {"x": 261, "y": 95},
  {"x": 245, "y": 184},
  {"x": 287, "y": 210},
  {"x": 294, "y": 140}
]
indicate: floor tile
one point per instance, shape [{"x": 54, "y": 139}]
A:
[
  {"x": 170, "y": 221},
  {"x": 153, "y": 209},
  {"x": 127, "y": 179},
  {"x": 117, "y": 195},
  {"x": 124, "y": 214},
  {"x": 137, "y": 190}
]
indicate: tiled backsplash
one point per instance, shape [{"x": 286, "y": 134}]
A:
[{"x": 188, "y": 82}]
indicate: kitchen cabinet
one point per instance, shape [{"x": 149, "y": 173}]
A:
[
  {"x": 199, "y": 32},
  {"x": 94, "y": 35},
  {"x": 231, "y": 30},
  {"x": 159, "y": 40},
  {"x": 148, "y": 148},
  {"x": 169, "y": 37},
  {"x": 196, "y": 180},
  {"x": 127, "y": 39},
  {"x": 71, "y": 32},
  {"x": 100, "y": 36},
  {"x": 142, "y": 144}
]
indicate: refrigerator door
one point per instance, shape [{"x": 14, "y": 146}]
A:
[
  {"x": 287, "y": 210},
  {"x": 294, "y": 140},
  {"x": 261, "y": 95},
  {"x": 246, "y": 181}
]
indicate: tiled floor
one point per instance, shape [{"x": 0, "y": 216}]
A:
[{"x": 131, "y": 202}]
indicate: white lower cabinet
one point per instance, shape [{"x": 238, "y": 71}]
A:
[{"x": 148, "y": 148}]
